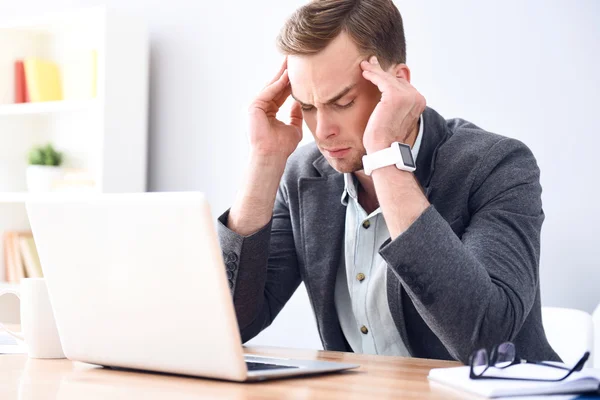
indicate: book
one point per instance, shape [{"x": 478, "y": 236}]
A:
[
  {"x": 21, "y": 258},
  {"x": 42, "y": 78},
  {"x": 75, "y": 180},
  {"x": 12, "y": 258},
  {"x": 585, "y": 381},
  {"x": 9, "y": 274},
  {"x": 31, "y": 260},
  {"x": 17, "y": 262},
  {"x": 21, "y": 95}
]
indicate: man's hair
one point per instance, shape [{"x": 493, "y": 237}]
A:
[{"x": 375, "y": 26}]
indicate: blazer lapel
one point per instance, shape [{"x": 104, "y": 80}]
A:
[
  {"x": 434, "y": 135},
  {"x": 322, "y": 218}
]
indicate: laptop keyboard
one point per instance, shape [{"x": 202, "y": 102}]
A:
[{"x": 254, "y": 366}]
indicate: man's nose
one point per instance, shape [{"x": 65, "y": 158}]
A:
[{"x": 327, "y": 127}]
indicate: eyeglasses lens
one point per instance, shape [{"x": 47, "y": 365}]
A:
[
  {"x": 479, "y": 362},
  {"x": 505, "y": 355}
]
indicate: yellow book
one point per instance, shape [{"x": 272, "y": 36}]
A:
[
  {"x": 43, "y": 80},
  {"x": 31, "y": 260}
]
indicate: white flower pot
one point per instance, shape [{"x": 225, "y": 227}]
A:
[{"x": 42, "y": 178}]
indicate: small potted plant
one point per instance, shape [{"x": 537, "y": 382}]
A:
[{"x": 44, "y": 168}]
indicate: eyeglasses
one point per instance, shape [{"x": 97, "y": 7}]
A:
[{"x": 504, "y": 355}]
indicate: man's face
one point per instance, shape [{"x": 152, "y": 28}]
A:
[{"x": 336, "y": 100}]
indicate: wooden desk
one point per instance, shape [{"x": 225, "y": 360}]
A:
[{"x": 379, "y": 377}]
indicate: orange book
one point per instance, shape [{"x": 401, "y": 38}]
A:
[
  {"x": 21, "y": 95},
  {"x": 15, "y": 270},
  {"x": 19, "y": 268},
  {"x": 9, "y": 267},
  {"x": 7, "y": 271}
]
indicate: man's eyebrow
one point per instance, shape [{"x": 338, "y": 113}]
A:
[
  {"x": 294, "y": 97},
  {"x": 334, "y": 98},
  {"x": 341, "y": 94}
]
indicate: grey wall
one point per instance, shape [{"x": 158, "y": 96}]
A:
[{"x": 526, "y": 69}]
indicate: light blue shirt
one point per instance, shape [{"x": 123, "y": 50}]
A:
[{"x": 361, "y": 284}]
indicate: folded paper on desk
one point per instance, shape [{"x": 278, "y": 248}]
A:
[
  {"x": 586, "y": 381},
  {"x": 9, "y": 345}
]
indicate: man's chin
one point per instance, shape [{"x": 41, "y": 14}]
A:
[{"x": 345, "y": 166}]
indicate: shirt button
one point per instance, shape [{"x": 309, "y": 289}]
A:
[
  {"x": 366, "y": 224},
  {"x": 230, "y": 266},
  {"x": 360, "y": 277},
  {"x": 230, "y": 258},
  {"x": 364, "y": 329}
]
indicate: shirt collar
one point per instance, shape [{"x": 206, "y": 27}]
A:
[{"x": 350, "y": 180}]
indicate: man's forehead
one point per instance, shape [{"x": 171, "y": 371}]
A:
[{"x": 316, "y": 80}]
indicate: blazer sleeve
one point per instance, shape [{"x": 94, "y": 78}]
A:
[
  {"x": 262, "y": 268},
  {"x": 478, "y": 290}
]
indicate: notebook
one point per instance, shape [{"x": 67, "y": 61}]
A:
[{"x": 586, "y": 381}]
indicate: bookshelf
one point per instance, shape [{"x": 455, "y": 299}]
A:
[
  {"x": 13, "y": 198},
  {"x": 105, "y": 135},
  {"x": 4, "y": 285},
  {"x": 48, "y": 107}
]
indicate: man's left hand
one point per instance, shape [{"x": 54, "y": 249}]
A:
[{"x": 398, "y": 111}]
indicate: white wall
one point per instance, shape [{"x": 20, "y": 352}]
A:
[{"x": 526, "y": 69}]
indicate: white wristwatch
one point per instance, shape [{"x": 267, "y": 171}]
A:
[{"x": 398, "y": 153}]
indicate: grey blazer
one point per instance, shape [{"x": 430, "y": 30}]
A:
[{"x": 465, "y": 275}]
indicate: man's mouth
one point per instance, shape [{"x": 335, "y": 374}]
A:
[{"x": 337, "y": 152}]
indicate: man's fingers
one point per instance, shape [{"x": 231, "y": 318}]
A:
[
  {"x": 381, "y": 82},
  {"x": 274, "y": 90},
  {"x": 372, "y": 65},
  {"x": 279, "y": 73},
  {"x": 296, "y": 115},
  {"x": 282, "y": 97},
  {"x": 372, "y": 71}
]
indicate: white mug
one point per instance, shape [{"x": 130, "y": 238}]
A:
[{"x": 38, "y": 327}]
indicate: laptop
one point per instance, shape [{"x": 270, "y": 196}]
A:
[{"x": 137, "y": 281}]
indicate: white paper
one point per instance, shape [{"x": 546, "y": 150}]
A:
[
  {"x": 10, "y": 345},
  {"x": 458, "y": 378}
]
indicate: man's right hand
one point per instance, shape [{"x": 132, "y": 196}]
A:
[
  {"x": 272, "y": 142},
  {"x": 269, "y": 137}
]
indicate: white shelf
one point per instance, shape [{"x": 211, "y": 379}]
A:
[
  {"x": 22, "y": 197},
  {"x": 48, "y": 107},
  {"x": 13, "y": 197},
  {"x": 105, "y": 138},
  {"x": 6, "y": 285}
]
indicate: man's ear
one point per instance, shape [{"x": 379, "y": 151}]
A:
[{"x": 400, "y": 71}]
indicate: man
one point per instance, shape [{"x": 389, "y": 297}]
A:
[{"x": 433, "y": 263}]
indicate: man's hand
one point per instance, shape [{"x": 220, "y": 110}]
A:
[
  {"x": 393, "y": 120},
  {"x": 269, "y": 137},
  {"x": 398, "y": 111},
  {"x": 272, "y": 142}
]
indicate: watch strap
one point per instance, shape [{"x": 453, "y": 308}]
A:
[{"x": 389, "y": 156}]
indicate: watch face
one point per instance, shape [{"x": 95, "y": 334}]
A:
[{"x": 407, "y": 157}]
